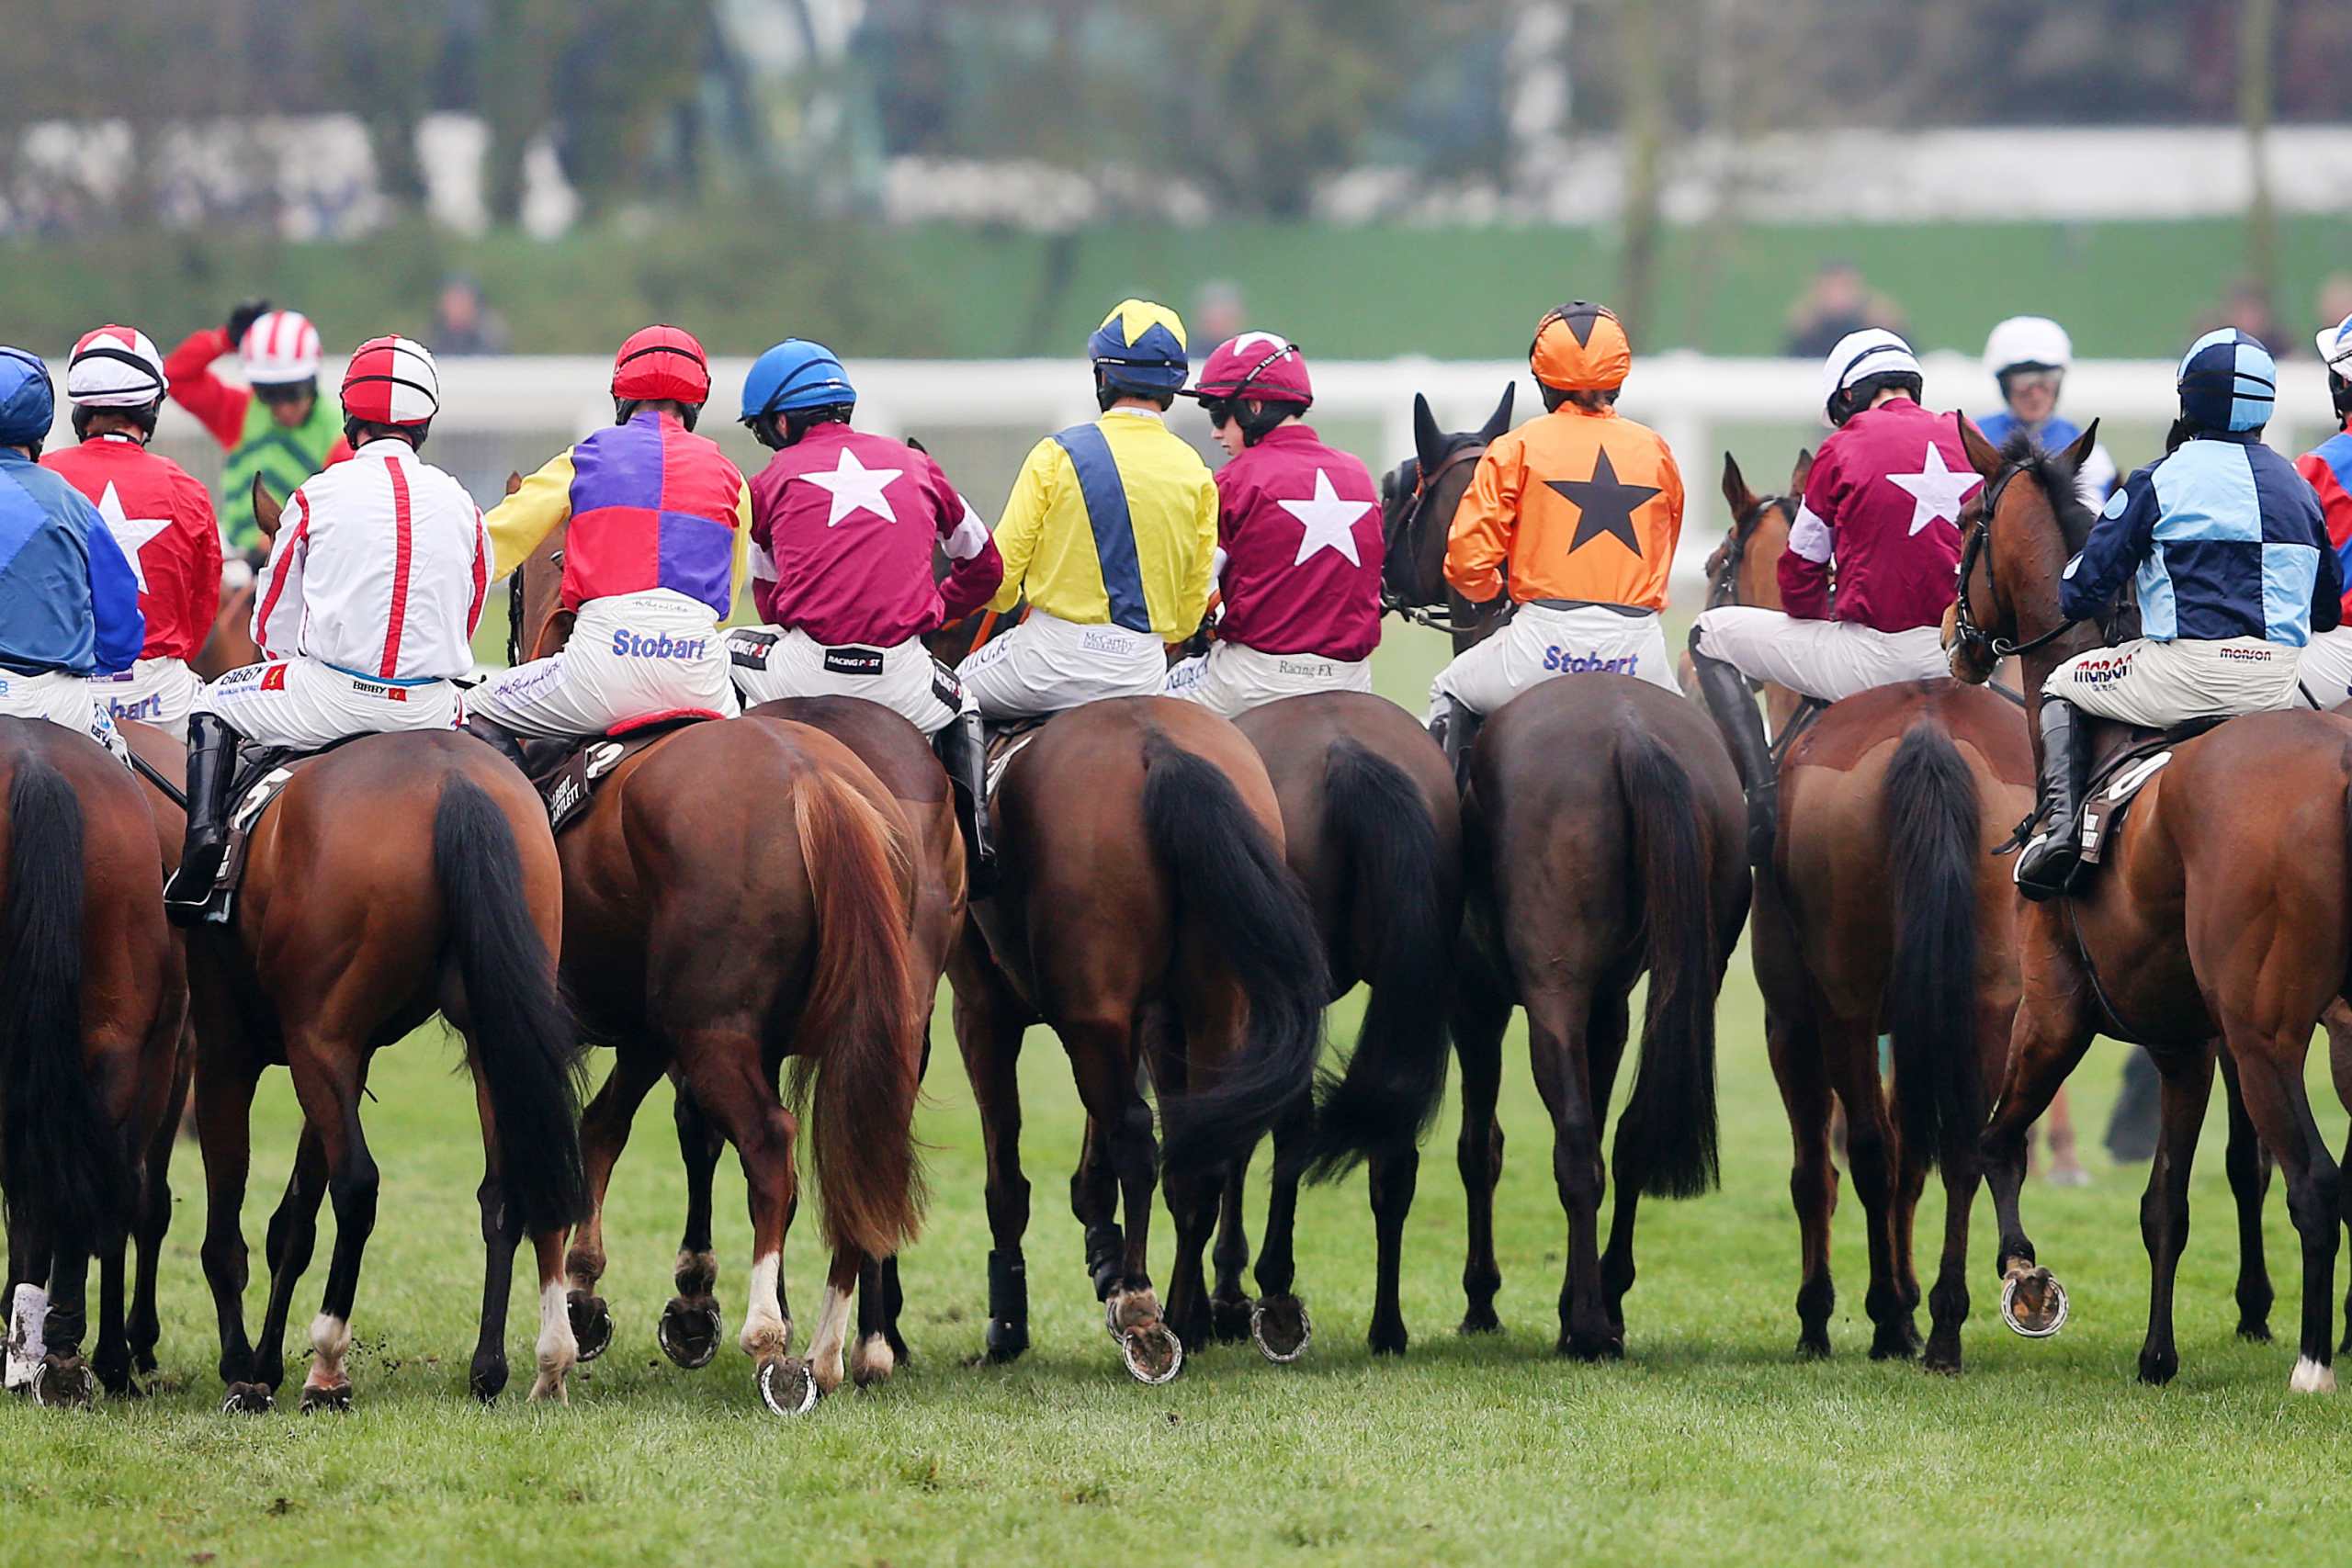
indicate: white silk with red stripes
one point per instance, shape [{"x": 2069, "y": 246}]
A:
[{"x": 380, "y": 569}]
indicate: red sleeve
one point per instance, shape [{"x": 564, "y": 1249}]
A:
[
  {"x": 204, "y": 586},
  {"x": 973, "y": 579},
  {"x": 1804, "y": 582},
  {"x": 339, "y": 453},
  {"x": 187, "y": 371}
]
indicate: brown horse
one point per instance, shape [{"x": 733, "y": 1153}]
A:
[
  {"x": 2205, "y": 919},
  {"x": 1605, "y": 836},
  {"x": 1418, "y": 498},
  {"x": 1373, "y": 828},
  {"x": 1145, "y": 915},
  {"x": 93, "y": 994},
  {"x": 1746, "y": 567}
]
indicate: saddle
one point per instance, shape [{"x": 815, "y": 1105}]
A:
[
  {"x": 2117, "y": 779},
  {"x": 263, "y": 771},
  {"x": 1003, "y": 741},
  {"x": 566, "y": 773}
]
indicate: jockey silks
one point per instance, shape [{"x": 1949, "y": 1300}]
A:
[
  {"x": 1300, "y": 525},
  {"x": 162, "y": 519},
  {"x": 1583, "y": 505},
  {"x": 2328, "y": 467},
  {"x": 284, "y": 456},
  {"x": 842, "y": 528},
  {"x": 1882, "y": 506},
  {"x": 68, "y": 600}
]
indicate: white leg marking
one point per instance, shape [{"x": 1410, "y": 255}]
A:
[
  {"x": 764, "y": 1335},
  {"x": 331, "y": 1341},
  {"x": 832, "y": 1331},
  {"x": 29, "y": 1325},
  {"x": 874, "y": 1360},
  {"x": 2310, "y": 1377},
  {"x": 558, "y": 1348}
]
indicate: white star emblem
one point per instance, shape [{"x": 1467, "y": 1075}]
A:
[
  {"x": 131, "y": 533},
  {"x": 1329, "y": 522},
  {"x": 856, "y": 488},
  {"x": 1937, "y": 492}
]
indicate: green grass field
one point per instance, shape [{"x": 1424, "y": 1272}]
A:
[{"x": 1710, "y": 1443}]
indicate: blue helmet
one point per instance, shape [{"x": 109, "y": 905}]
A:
[
  {"x": 794, "y": 374},
  {"x": 28, "y": 404},
  {"x": 1139, "y": 348},
  {"x": 2227, "y": 381}
]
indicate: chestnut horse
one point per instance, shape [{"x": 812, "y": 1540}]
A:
[
  {"x": 93, "y": 994},
  {"x": 1746, "y": 567},
  {"x": 1145, "y": 915},
  {"x": 2208, "y": 916}
]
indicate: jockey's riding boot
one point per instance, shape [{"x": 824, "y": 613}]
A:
[
  {"x": 211, "y": 763},
  {"x": 2050, "y": 863},
  {"x": 964, "y": 753},
  {"x": 509, "y": 744},
  {"x": 1455, "y": 729},
  {"x": 1742, "y": 723}
]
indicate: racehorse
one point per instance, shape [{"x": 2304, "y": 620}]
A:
[
  {"x": 1746, "y": 567},
  {"x": 737, "y": 893},
  {"x": 1418, "y": 498},
  {"x": 93, "y": 995},
  {"x": 1373, "y": 828},
  {"x": 1146, "y": 914},
  {"x": 2204, "y": 920},
  {"x": 393, "y": 877}
]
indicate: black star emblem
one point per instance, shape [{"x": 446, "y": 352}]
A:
[{"x": 1604, "y": 507}]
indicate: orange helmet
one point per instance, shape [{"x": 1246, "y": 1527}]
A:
[{"x": 1580, "y": 347}]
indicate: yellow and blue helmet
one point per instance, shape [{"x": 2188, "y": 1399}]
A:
[{"x": 1139, "y": 348}]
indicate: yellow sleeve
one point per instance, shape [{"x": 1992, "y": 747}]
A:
[
  {"x": 517, "y": 523},
  {"x": 1023, "y": 522},
  {"x": 1479, "y": 539},
  {"x": 742, "y": 569}
]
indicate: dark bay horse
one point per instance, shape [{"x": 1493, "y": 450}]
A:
[
  {"x": 1418, "y": 498},
  {"x": 1146, "y": 916},
  {"x": 93, "y": 994},
  {"x": 1373, "y": 828},
  {"x": 2208, "y": 918},
  {"x": 1604, "y": 833}
]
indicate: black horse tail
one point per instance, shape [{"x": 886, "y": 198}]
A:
[
  {"x": 1934, "y": 841},
  {"x": 1394, "y": 1080},
  {"x": 69, "y": 1179},
  {"x": 1665, "y": 1141},
  {"x": 526, "y": 1044},
  {"x": 1229, "y": 883}
]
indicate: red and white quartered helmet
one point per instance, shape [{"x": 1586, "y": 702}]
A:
[
  {"x": 114, "y": 368},
  {"x": 391, "y": 380},
  {"x": 281, "y": 347},
  {"x": 1257, "y": 366}
]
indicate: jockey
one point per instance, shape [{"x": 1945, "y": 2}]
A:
[
  {"x": 69, "y": 603},
  {"x": 1883, "y": 504},
  {"x": 157, "y": 512},
  {"x": 1586, "y": 507},
  {"x": 658, "y": 522},
  {"x": 2328, "y": 658},
  {"x": 365, "y": 615},
  {"x": 1110, "y": 531},
  {"x": 2233, "y": 569},
  {"x": 1299, "y": 566},
  {"x": 843, "y": 528},
  {"x": 280, "y": 428},
  {"x": 2029, "y": 358}
]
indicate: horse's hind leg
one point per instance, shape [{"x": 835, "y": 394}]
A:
[
  {"x": 1852, "y": 1050},
  {"x": 1393, "y": 1173},
  {"x": 1962, "y": 1158},
  {"x": 603, "y": 1132},
  {"x": 1605, "y": 1035},
  {"x": 292, "y": 1238},
  {"x": 724, "y": 1076},
  {"x": 62, "y": 1378},
  {"x": 1482, "y": 1009},
  {"x": 1794, "y": 1045},
  {"x": 1557, "y": 1020},
  {"x": 144, "y": 1327},
  {"x": 2185, "y": 1088},
  {"x": 2270, "y": 1070},
  {"x": 2052, "y": 1029},
  {"x": 1228, "y": 1303},
  {"x": 879, "y": 1347},
  {"x": 328, "y": 1076},
  {"x": 224, "y": 1100},
  {"x": 2248, "y": 1163},
  {"x": 110, "y": 1360},
  {"x": 691, "y": 1328},
  {"x": 486, "y": 1375},
  {"x": 1280, "y": 1325},
  {"x": 1120, "y": 1136},
  {"x": 988, "y": 1030}
]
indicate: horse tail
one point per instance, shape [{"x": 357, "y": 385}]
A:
[
  {"x": 859, "y": 1070},
  {"x": 1397, "y": 1075},
  {"x": 1669, "y": 1128},
  {"x": 1229, "y": 880},
  {"x": 1934, "y": 841},
  {"x": 69, "y": 1178},
  {"x": 526, "y": 1044}
]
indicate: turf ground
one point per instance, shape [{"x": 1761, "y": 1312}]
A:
[{"x": 1710, "y": 1443}]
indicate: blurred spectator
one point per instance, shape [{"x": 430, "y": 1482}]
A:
[
  {"x": 1218, "y": 315},
  {"x": 1838, "y": 302},
  {"x": 2335, "y": 299},
  {"x": 2247, "y": 308},
  {"x": 462, "y": 324}
]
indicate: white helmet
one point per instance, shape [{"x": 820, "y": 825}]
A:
[
  {"x": 281, "y": 347},
  {"x": 1874, "y": 351},
  {"x": 115, "y": 367},
  {"x": 2028, "y": 340},
  {"x": 2335, "y": 347}
]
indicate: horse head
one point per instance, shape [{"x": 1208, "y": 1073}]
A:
[
  {"x": 1417, "y": 504},
  {"x": 1745, "y": 569},
  {"x": 2019, "y": 529}
]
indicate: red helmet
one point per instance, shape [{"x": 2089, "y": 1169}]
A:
[
  {"x": 391, "y": 380},
  {"x": 1258, "y": 366},
  {"x": 662, "y": 362}
]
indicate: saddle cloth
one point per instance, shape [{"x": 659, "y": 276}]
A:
[
  {"x": 1005, "y": 741},
  {"x": 566, "y": 773},
  {"x": 2118, "y": 781},
  {"x": 262, "y": 772}
]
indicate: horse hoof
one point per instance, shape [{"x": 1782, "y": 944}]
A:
[
  {"x": 2256, "y": 1331},
  {"x": 2033, "y": 1303},
  {"x": 248, "y": 1399},
  {"x": 2158, "y": 1370},
  {"x": 1280, "y": 1329},
  {"x": 1230, "y": 1320},
  {"x": 1480, "y": 1320},
  {"x": 2310, "y": 1377},
  {"x": 592, "y": 1323},
  {"x": 785, "y": 1387},
  {"x": 336, "y": 1399},
  {"x": 1008, "y": 1341},
  {"x": 689, "y": 1333},
  {"x": 1152, "y": 1353},
  {"x": 1586, "y": 1347},
  {"x": 62, "y": 1385},
  {"x": 1388, "y": 1339}
]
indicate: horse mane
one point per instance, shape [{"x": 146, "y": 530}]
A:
[{"x": 2056, "y": 477}]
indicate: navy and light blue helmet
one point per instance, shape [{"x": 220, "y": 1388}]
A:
[
  {"x": 2228, "y": 382},
  {"x": 1139, "y": 348},
  {"x": 27, "y": 402},
  {"x": 794, "y": 375}
]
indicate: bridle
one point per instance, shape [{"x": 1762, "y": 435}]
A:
[
  {"x": 1978, "y": 542},
  {"x": 1723, "y": 575},
  {"x": 1439, "y": 618}
]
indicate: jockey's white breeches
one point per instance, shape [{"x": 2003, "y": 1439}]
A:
[
  {"x": 304, "y": 704},
  {"x": 1230, "y": 679},
  {"x": 1829, "y": 660},
  {"x": 1045, "y": 665},
  {"x": 772, "y": 663},
  {"x": 158, "y": 692},
  {"x": 63, "y": 700},
  {"x": 1543, "y": 642},
  {"x": 632, "y": 658},
  {"x": 2159, "y": 684}
]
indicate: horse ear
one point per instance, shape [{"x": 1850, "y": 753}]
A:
[
  {"x": 513, "y": 482},
  {"x": 267, "y": 511},
  {"x": 1801, "y": 474},
  {"x": 1429, "y": 442},
  {"x": 2080, "y": 452},
  {"x": 1981, "y": 454},
  {"x": 1500, "y": 421},
  {"x": 1736, "y": 495}
]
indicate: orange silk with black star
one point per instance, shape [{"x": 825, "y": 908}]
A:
[{"x": 1581, "y": 504}]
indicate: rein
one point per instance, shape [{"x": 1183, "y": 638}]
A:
[
  {"x": 1979, "y": 543},
  {"x": 1438, "y": 617},
  {"x": 1723, "y": 581}
]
